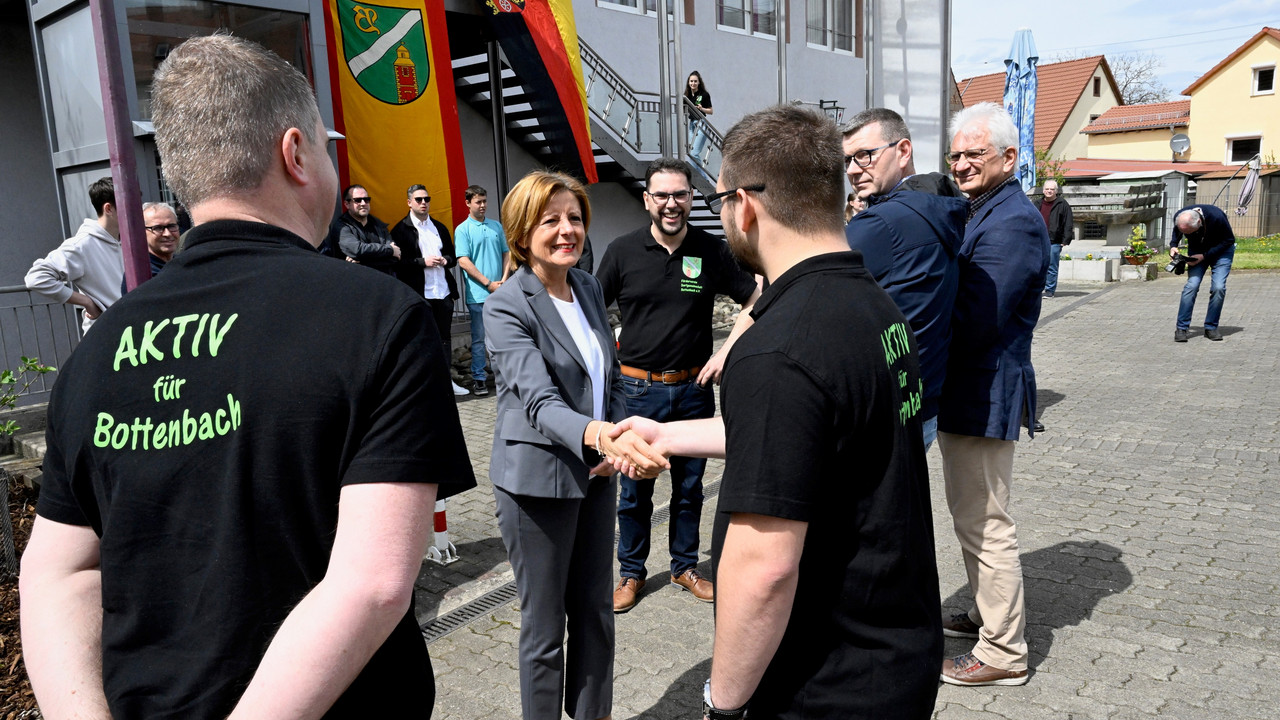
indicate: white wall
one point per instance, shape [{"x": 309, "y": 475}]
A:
[{"x": 741, "y": 71}]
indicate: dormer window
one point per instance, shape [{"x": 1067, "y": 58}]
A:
[{"x": 1264, "y": 79}]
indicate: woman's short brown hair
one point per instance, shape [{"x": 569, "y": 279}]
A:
[{"x": 524, "y": 205}]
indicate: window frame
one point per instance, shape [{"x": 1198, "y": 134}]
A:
[
  {"x": 749, "y": 15},
  {"x": 1231, "y": 140},
  {"x": 1257, "y": 71}
]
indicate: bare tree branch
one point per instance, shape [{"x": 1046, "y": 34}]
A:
[{"x": 1135, "y": 74}]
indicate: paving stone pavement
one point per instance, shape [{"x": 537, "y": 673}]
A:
[{"x": 1148, "y": 516}]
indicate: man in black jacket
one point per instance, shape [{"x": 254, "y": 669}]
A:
[
  {"x": 426, "y": 264},
  {"x": 1057, "y": 216},
  {"x": 362, "y": 236}
]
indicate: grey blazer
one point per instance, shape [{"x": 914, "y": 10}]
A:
[{"x": 544, "y": 391}]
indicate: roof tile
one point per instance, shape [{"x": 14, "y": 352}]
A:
[
  {"x": 1058, "y": 89},
  {"x": 1124, "y": 118}
]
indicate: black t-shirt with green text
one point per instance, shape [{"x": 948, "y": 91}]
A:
[
  {"x": 821, "y": 400},
  {"x": 205, "y": 429}
]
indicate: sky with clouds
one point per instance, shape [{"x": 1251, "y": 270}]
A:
[{"x": 1188, "y": 37}]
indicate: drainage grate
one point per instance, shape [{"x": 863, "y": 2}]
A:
[{"x": 433, "y": 630}]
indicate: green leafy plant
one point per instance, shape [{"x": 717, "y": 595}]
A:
[
  {"x": 1066, "y": 256},
  {"x": 15, "y": 383},
  {"x": 1050, "y": 168},
  {"x": 1137, "y": 243}
]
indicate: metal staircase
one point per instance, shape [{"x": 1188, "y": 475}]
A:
[{"x": 624, "y": 126}]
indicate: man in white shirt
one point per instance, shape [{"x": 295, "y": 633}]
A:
[{"x": 426, "y": 264}]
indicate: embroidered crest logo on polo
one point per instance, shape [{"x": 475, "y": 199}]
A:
[{"x": 692, "y": 267}]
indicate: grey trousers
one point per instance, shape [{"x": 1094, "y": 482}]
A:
[{"x": 561, "y": 551}]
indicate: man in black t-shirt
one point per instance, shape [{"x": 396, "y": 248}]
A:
[
  {"x": 664, "y": 278},
  {"x": 827, "y": 587},
  {"x": 242, "y": 463}
]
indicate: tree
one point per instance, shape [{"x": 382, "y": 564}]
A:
[{"x": 1135, "y": 75}]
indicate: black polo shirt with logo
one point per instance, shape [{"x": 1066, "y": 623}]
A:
[
  {"x": 666, "y": 299},
  {"x": 821, "y": 402},
  {"x": 205, "y": 430}
]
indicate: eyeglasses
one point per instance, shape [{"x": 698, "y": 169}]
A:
[
  {"x": 162, "y": 229},
  {"x": 974, "y": 156},
  {"x": 422, "y": 199},
  {"x": 716, "y": 201},
  {"x": 864, "y": 158},
  {"x": 680, "y": 196},
  {"x": 355, "y": 201}
]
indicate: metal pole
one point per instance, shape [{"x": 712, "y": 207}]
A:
[
  {"x": 944, "y": 110},
  {"x": 682, "y": 127},
  {"x": 124, "y": 164},
  {"x": 664, "y": 84},
  {"x": 780, "y": 9},
  {"x": 499, "y": 122},
  {"x": 868, "y": 47}
]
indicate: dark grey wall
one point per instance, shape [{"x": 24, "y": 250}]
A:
[{"x": 29, "y": 224}]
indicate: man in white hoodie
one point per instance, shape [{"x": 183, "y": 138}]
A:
[{"x": 85, "y": 270}]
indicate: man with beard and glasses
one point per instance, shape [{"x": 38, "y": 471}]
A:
[
  {"x": 827, "y": 598},
  {"x": 664, "y": 278}
]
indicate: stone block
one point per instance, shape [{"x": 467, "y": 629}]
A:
[{"x": 1137, "y": 272}]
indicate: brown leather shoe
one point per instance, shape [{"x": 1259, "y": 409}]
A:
[
  {"x": 626, "y": 594},
  {"x": 691, "y": 580},
  {"x": 960, "y": 626},
  {"x": 969, "y": 670}
]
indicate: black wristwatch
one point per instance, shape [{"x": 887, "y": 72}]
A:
[{"x": 710, "y": 712}]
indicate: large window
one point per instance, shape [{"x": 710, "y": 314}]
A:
[
  {"x": 755, "y": 17},
  {"x": 831, "y": 24},
  {"x": 1242, "y": 150},
  {"x": 1264, "y": 80},
  {"x": 156, "y": 26}
]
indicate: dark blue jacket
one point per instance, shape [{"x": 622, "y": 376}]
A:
[
  {"x": 991, "y": 387},
  {"x": 909, "y": 241},
  {"x": 1212, "y": 239}
]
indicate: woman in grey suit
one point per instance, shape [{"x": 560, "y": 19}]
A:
[{"x": 559, "y": 384}]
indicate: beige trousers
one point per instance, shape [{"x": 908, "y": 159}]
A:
[{"x": 977, "y": 473}]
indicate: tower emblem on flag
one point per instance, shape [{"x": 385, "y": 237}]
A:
[
  {"x": 692, "y": 267},
  {"x": 386, "y": 50}
]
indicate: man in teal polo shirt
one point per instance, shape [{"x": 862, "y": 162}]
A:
[{"x": 482, "y": 255}]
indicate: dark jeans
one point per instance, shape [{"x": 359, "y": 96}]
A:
[{"x": 683, "y": 401}]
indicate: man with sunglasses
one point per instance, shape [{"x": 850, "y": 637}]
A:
[
  {"x": 664, "y": 278},
  {"x": 362, "y": 236},
  {"x": 990, "y": 390},
  {"x": 908, "y": 239},
  {"x": 1210, "y": 244},
  {"x": 426, "y": 262}
]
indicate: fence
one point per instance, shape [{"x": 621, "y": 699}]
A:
[{"x": 34, "y": 326}]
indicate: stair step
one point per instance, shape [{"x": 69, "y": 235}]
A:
[
  {"x": 28, "y": 469},
  {"x": 29, "y": 445}
]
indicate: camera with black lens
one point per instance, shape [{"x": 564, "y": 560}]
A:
[{"x": 1177, "y": 265}]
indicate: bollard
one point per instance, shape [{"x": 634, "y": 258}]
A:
[{"x": 441, "y": 551}]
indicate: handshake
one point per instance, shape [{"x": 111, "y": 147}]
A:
[{"x": 635, "y": 447}]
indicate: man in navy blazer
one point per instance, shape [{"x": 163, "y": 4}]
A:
[{"x": 990, "y": 390}]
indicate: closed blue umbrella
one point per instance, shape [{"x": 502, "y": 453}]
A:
[{"x": 1020, "y": 101}]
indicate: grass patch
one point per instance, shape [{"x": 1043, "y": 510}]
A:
[{"x": 1257, "y": 253}]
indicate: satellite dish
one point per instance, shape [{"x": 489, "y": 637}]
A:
[{"x": 1179, "y": 143}]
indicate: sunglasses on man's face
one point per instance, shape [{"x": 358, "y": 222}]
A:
[
  {"x": 356, "y": 201},
  {"x": 422, "y": 199}
]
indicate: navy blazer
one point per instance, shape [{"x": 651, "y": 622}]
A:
[
  {"x": 544, "y": 391},
  {"x": 990, "y": 387}
]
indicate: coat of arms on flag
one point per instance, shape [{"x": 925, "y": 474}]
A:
[
  {"x": 692, "y": 267},
  {"x": 386, "y": 50}
]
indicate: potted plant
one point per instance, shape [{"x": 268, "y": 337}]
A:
[{"x": 1137, "y": 252}]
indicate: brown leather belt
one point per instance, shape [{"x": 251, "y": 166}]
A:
[{"x": 666, "y": 377}]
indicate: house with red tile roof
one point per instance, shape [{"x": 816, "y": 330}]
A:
[
  {"x": 1233, "y": 114},
  {"x": 1139, "y": 132},
  {"x": 1069, "y": 96}
]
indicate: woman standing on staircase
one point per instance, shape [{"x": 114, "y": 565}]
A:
[{"x": 695, "y": 92}]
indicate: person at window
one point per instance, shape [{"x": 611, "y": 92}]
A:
[{"x": 697, "y": 95}]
